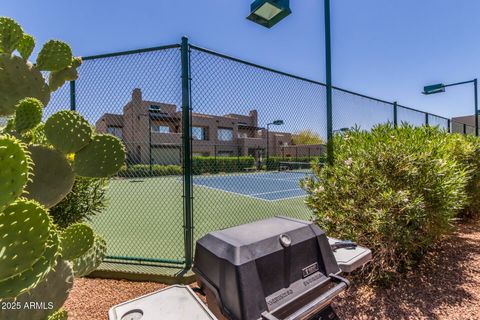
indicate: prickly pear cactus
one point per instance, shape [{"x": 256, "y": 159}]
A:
[
  {"x": 102, "y": 157},
  {"x": 28, "y": 114},
  {"x": 52, "y": 177},
  {"x": 54, "y": 290},
  {"x": 22, "y": 221},
  {"x": 19, "y": 80},
  {"x": 38, "y": 135},
  {"x": 76, "y": 240},
  {"x": 22, "y": 282},
  {"x": 15, "y": 163},
  {"x": 56, "y": 79},
  {"x": 54, "y": 56},
  {"x": 92, "y": 259},
  {"x": 26, "y": 45},
  {"x": 68, "y": 131},
  {"x": 10, "y": 35}
]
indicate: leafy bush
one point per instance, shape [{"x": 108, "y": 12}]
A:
[
  {"x": 202, "y": 165},
  {"x": 466, "y": 149},
  {"x": 394, "y": 190},
  {"x": 87, "y": 198},
  {"x": 143, "y": 170}
]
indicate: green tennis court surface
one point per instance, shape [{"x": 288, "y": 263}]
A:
[{"x": 144, "y": 218}]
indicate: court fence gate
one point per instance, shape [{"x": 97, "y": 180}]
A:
[{"x": 206, "y": 134}]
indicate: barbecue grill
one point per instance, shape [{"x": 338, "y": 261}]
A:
[{"x": 279, "y": 268}]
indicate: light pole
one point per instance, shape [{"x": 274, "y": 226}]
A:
[
  {"x": 440, "y": 87},
  {"x": 275, "y": 123},
  {"x": 267, "y": 13}
]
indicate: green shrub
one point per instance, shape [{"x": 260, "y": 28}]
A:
[
  {"x": 143, "y": 170},
  {"x": 202, "y": 165},
  {"x": 394, "y": 190},
  {"x": 87, "y": 198},
  {"x": 466, "y": 149}
]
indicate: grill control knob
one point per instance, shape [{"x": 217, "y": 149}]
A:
[{"x": 285, "y": 240}]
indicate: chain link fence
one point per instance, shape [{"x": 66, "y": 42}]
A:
[{"x": 212, "y": 142}]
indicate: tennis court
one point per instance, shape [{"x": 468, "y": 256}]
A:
[{"x": 267, "y": 186}]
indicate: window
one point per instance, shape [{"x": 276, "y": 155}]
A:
[
  {"x": 225, "y": 134},
  {"x": 199, "y": 133},
  {"x": 160, "y": 129},
  {"x": 116, "y": 131}
]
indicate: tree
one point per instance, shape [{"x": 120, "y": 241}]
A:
[{"x": 307, "y": 137}]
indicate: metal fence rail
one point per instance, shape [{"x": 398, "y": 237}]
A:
[{"x": 209, "y": 140}]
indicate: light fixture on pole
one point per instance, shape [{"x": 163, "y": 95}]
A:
[
  {"x": 440, "y": 87},
  {"x": 275, "y": 123},
  {"x": 268, "y": 13}
]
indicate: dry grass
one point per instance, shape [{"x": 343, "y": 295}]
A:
[{"x": 446, "y": 286}]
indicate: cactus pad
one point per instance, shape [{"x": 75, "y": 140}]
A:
[
  {"x": 76, "y": 240},
  {"x": 28, "y": 279},
  {"x": 102, "y": 157},
  {"x": 52, "y": 178},
  {"x": 53, "y": 289},
  {"x": 38, "y": 135},
  {"x": 26, "y": 45},
  {"x": 28, "y": 114},
  {"x": 59, "y": 315},
  {"x": 56, "y": 79},
  {"x": 54, "y": 56},
  {"x": 15, "y": 164},
  {"x": 18, "y": 80},
  {"x": 92, "y": 259},
  {"x": 24, "y": 226},
  {"x": 10, "y": 35},
  {"x": 68, "y": 131}
]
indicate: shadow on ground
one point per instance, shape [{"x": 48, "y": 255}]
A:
[{"x": 446, "y": 286}]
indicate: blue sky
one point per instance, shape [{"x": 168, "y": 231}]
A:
[{"x": 387, "y": 49}]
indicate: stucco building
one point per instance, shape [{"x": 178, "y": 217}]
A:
[{"x": 213, "y": 135}]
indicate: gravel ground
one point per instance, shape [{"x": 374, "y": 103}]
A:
[{"x": 446, "y": 286}]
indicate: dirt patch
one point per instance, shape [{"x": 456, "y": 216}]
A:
[{"x": 446, "y": 286}]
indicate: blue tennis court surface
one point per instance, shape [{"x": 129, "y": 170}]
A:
[{"x": 268, "y": 186}]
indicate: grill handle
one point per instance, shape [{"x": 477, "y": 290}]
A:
[{"x": 317, "y": 304}]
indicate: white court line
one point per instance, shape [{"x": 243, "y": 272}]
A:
[{"x": 259, "y": 194}]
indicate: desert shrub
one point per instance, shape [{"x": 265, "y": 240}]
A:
[
  {"x": 394, "y": 190},
  {"x": 87, "y": 198},
  {"x": 202, "y": 165},
  {"x": 466, "y": 149}
]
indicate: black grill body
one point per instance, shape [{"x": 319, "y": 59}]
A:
[{"x": 279, "y": 268}]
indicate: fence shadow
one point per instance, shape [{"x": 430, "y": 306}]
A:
[{"x": 437, "y": 285}]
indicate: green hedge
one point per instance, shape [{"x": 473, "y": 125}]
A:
[
  {"x": 273, "y": 163},
  {"x": 143, "y": 170},
  {"x": 202, "y": 165},
  {"x": 394, "y": 190}
]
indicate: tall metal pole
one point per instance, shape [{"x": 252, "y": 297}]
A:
[
  {"x": 73, "y": 100},
  {"x": 395, "y": 114},
  {"x": 187, "y": 154},
  {"x": 475, "y": 84},
  {"x": 268, "y": 153},
  {"x": 328, "y": 58},
  {"x": 150, "y": 141}
]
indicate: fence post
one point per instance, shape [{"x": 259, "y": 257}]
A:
[
  {"x": 395, "y": 114},
  {"x": 464, "y": 128},
  {"x": 187, "y": 154},
  {"x": 448, "y": 126},
  {"x": 426, "y": 119},
  {"x": 73, "y": 100}
]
